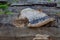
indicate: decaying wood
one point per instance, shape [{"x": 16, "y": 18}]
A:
[
  {"x": 42, "y": 37},
  {"x": 20, "y": 22}
]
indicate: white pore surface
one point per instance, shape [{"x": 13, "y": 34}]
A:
[{"x": 32, "y": 14}]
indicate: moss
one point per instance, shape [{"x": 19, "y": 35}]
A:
[
  {"x": 49, "y": 0},
  {"x": 3, "y": 6},
  {"x": 1, "y": 13},
  {"x": 8, "y": 12}
]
